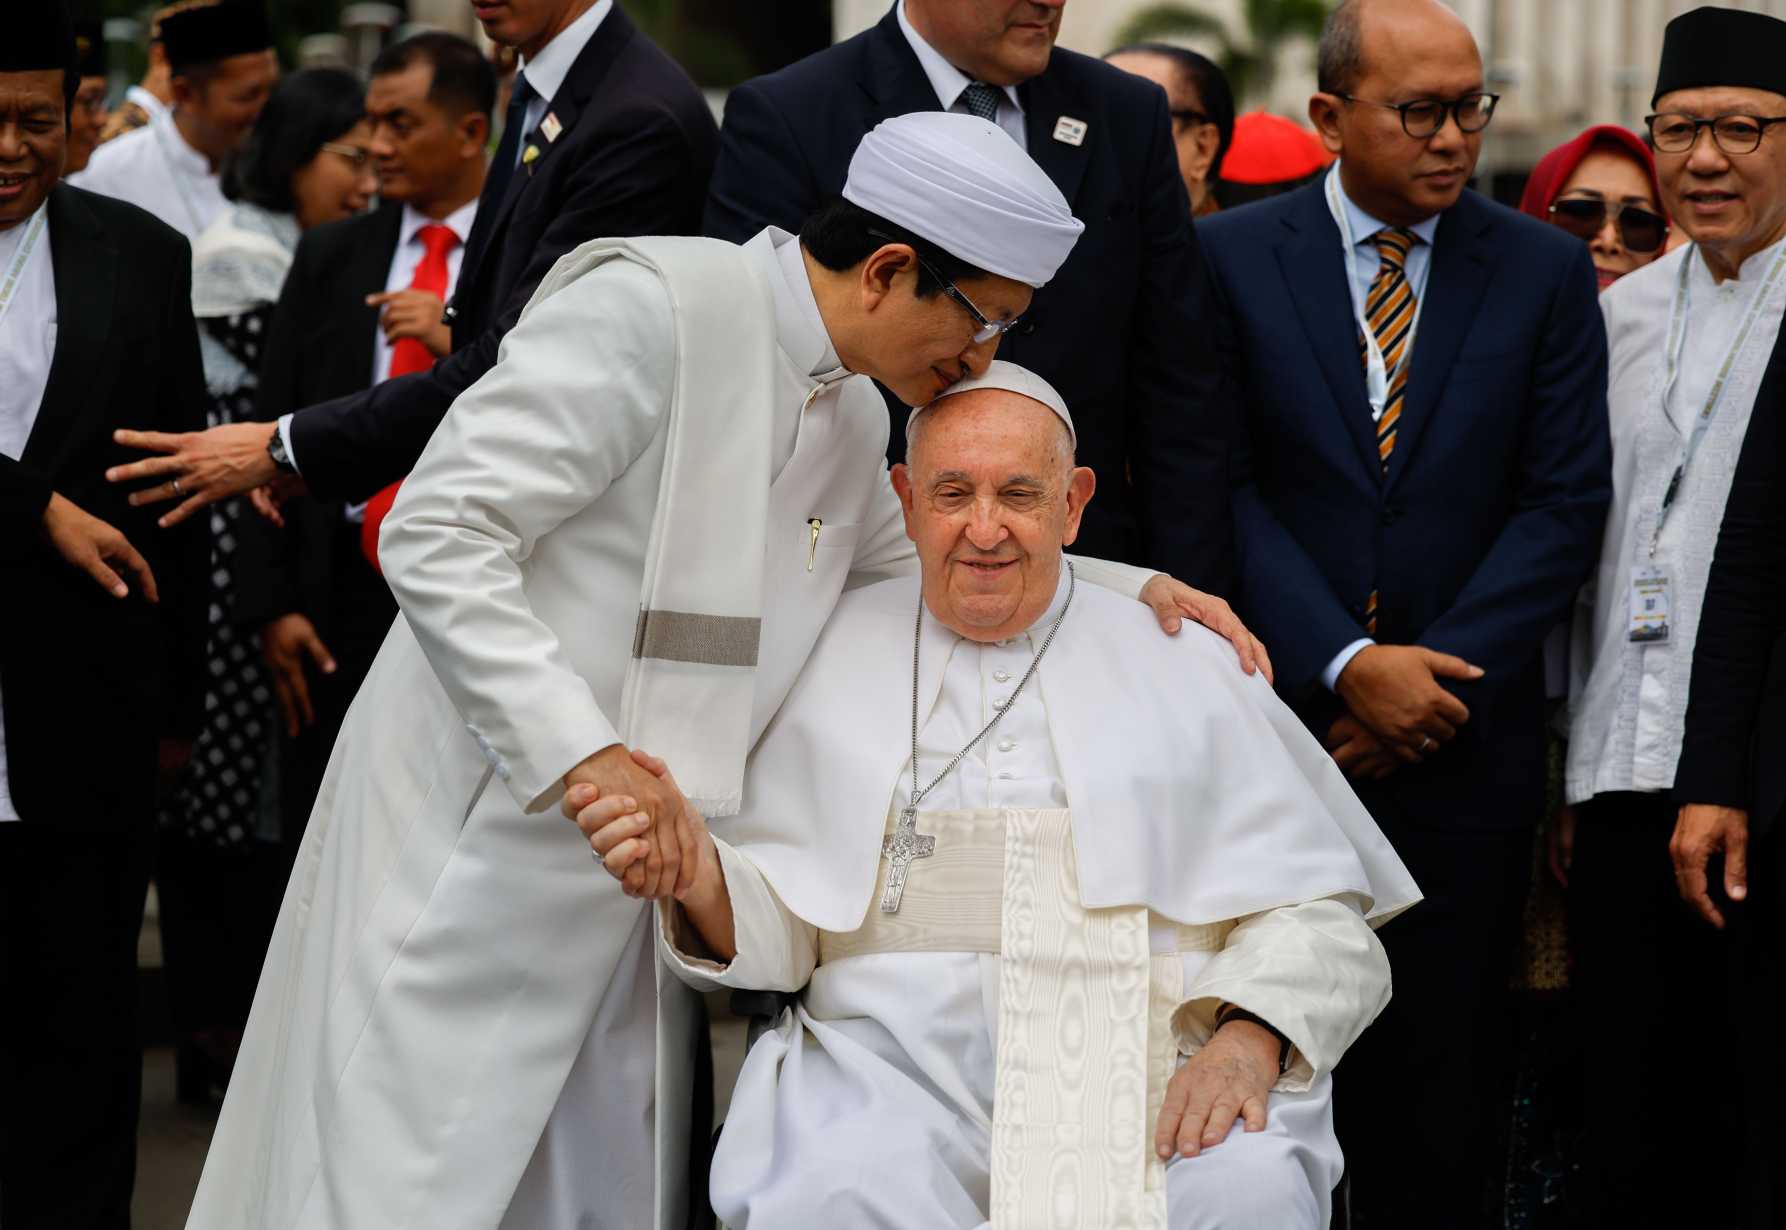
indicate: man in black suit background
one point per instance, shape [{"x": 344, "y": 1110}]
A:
[
  {"x": 605, "y": 136},
  {"x": 350, "y": 316},
  {"x": 1121, "y": 330},
  {"x": 100, "y": 688}
]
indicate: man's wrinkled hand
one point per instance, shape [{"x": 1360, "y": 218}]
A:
[
  {"x": 1229, "y": 1079},
  {"x": 94, "y": 547},
  {"x": 1394, "y": 690},
  {"x": 669, "y": 863},
  {"x": 1700, "y": 831},
  {"x": 197, "y": 468},
  {"x": 285, "y": 643},
  {"x": 1173, "y": 602},
  {"x": 1358, "y": 752}
]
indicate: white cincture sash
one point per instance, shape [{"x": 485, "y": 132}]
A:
[{"x": 1086, "y": 997}]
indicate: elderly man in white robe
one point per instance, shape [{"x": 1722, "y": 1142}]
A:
[
  {"x": 630, "y": 531},
  {"x": 1690, "y": 341},
  {"x": 1020, "y": 859}
]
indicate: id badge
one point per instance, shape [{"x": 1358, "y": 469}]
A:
[{"x": 1649, "y": 604}]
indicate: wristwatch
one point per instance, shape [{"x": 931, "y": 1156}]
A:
[
  {"x": 276, "y": 450},
  {"x": 1234, "y": 1012}
]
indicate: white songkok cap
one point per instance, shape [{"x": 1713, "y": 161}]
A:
[
  {"x": 964, "y": 184},
  {"x": 1012, "y": 379}
]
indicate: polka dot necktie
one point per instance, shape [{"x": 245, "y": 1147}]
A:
[
  {"x": 982, "y": 100},
  {"x": 1389, "y": 310}
]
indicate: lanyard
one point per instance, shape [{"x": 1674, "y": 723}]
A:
[
  {"x": 174, "y": 173},
  {"x": 1671, "y": 364},
  {"x": 1376, "y": 371},
  {"x": 15, "y": 272}
]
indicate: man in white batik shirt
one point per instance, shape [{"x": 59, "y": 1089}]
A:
[{"x": 1021, "y": 858}]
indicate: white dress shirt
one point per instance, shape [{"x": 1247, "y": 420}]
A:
[
  {"x": 1628, "y": 700},
  {"x": 949, "y": 82},
  {"x": 1365, "y": 262},
  {"x": 547, "y": 70},
  {"x": 153, "y": 168},
  {"x": 27, "y": 346},
  {"x": 409, "y": 253}
]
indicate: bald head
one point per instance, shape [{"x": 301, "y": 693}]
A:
[
  {"x": 1345, "y": 53},
  {"x": 991, "y": 499}
]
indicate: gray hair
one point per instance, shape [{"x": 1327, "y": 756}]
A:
[
  {"x": 1063, "y": 437},
  {"x": 1339, "y": 60}
]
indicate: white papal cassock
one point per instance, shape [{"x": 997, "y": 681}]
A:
[
  {"x": 460, "y": 1022},
  {"x": 1142, "y": 808}
]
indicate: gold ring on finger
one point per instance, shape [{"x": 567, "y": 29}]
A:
[{"x": 175, "y": 484}]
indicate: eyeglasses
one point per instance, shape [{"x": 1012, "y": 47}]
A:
[
  {"x": 1424, "y": 117},
  {"x": 1640, "y": 229},
  {"x": 989, "y": 328},
  {"x": 360, "y": 157},
  {"x": 1189, "y": 116},
  {"x": 1674, "y": 133}
]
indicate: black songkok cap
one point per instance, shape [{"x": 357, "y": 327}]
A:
[
  {"x": 207, "y": 33},
  {"x": 89, "y": 46},
  {"x": 39, "y": 38},
  {"x": 1728, "y": 47}
]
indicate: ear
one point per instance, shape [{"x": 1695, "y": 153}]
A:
[
  {"x": 901, "y": 475},
  {"x": 474, "y": 131},
  {"x": 882, "y": 269},
  {"x": 1207, "y": 138},
  {"x": 184, "y": 90},
  {"x": 1323, "y": 113},
  {"x": 1081, "y": 484}
]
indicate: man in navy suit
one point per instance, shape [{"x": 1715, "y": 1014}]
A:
[
  {"x": 1122, "y": 330},
  {"x": 1420, "y": 490}
]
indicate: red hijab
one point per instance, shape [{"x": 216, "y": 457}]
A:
[{"x": 1555, "y": 168}]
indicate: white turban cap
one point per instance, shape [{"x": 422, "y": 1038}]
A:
[
  {"x": 964, "y": 184},
  {"x": 1012, "y": 379}
]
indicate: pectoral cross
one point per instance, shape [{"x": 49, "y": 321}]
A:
[{"x": 899, "y": 848}]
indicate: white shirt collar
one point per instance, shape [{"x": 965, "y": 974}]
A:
[
  {"x": 459, "y": 222},
  {"x": 947, "y": 80},
  {"x": 547, "y": 70},
  {"x": 1365, "y": 227},
  {"x": 800, "y": 328},
  {"x": 11, "y": 239}
]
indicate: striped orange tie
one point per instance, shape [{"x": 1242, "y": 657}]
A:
[{"x": 1389, "y": 310}]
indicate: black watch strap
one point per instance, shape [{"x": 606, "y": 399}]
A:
[
  {"x": 276, "y": 450},
  {"x": 1234, "y": 1012}
]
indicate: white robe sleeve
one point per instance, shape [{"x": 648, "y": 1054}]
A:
[
  {"x": 1316, "y": 971},
  {"x": 577, "y": 394},
  {"x": 776, "y": 950}
]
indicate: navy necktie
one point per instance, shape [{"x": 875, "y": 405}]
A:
[{"x": 508, "y": 153}]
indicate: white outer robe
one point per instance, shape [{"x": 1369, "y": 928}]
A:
[
  {"x": 455, "y": 1014},
  {"x": 874, "y": 1101}
]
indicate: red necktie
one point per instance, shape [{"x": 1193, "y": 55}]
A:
[{"x": 409, "y": 355}]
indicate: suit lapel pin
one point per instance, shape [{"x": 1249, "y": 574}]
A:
[
  {"x": 529, "y": 156},
  {"x": 1069, "y": 131},
  {"x": 551, "y": 127}
]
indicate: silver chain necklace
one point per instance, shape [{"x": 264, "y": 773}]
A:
[{"x": 917, "y": 640}]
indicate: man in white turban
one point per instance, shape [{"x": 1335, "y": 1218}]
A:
[
  {"x": 1022, "y": 858},
  {"x": 628, "y": 533}
]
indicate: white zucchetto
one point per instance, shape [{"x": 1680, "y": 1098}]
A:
[
  {"x": 962, "y": 183},
  {"x": 1012, "y": 379}
]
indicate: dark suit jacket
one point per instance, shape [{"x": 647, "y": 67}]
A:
[
  {"x": 633, "y": 158},
  {"x": 320, "y": 345},
  {"x": 1734, "y": 752},
  {"x": 90, "y": 683},
  {"x": 1122, "y": 329},
  {"x": 1490, "y": 515}
]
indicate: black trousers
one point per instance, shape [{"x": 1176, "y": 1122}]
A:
[
  {"x": 1420, "y": 1101},
  {"x": 1758, "y": 936},
  {"x": 1649, "y": 988},
  {"x": 71, "y": 1067}
]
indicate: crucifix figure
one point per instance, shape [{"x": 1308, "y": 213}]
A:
[{"x": 900, "y": 847}]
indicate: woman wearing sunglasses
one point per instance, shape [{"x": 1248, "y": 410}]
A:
[{"x": 1602, "y": 188}]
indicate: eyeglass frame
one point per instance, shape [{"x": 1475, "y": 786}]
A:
[
  {"x": 1762, "y": 124},
  {"x": 989, "y": 328},
  {"x": 1448, "y": 111},
  {"x": 359, "y": 158},
  {"x": 1614, "y": 211}
]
